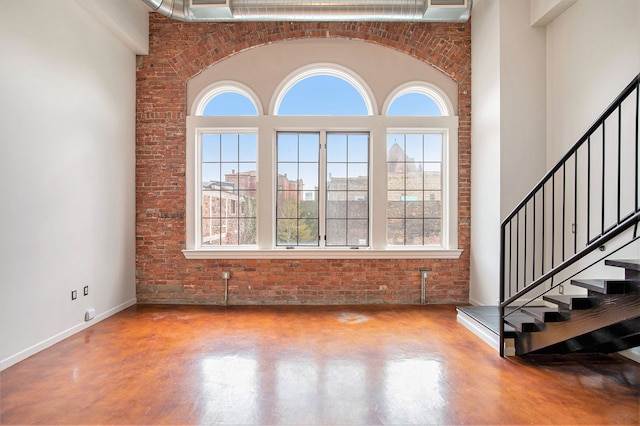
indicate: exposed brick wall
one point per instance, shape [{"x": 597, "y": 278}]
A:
[{"x": 179, "y": 51}]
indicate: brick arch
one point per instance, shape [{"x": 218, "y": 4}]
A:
[{"x": 437, "y": 45}]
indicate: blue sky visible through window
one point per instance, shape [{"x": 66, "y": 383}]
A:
[
  {"x": 414, "y": 105},
  {"x": 315, "y": 95},
  {"x": 230, "y": 104},
  {"x": 322, "y": 95}
]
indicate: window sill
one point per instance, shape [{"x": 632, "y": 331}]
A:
[{"x": 301, "y": 253}]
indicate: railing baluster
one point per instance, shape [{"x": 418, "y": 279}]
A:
[
  {"x": 553, "y": 220},
  {"x": 604, "y": 139},
  {"x": 533, "y": 255},
  {"x": 637, "y": 139},
  {"x": 588, "y": 189},
  {"x": 619, "y": 162},
  {"x": 518, "y": 252},
  {"x": 575, "y": 204},
  {"x": 544, "y": 214},
  {"x": 524, "y": 255},
  {"x": 510, "y": 257},
  {"x": 564, "y": 204}
]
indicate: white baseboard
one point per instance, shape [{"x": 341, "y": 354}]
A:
[
  {"x": 486, "y": 335},
  {"x": 32, "y": 350}
]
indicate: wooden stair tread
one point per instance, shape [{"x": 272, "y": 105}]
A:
[
  {"x": 570, "y": 302},
  {"x": 544, "y": 314},
  {"x": 524, "y": 323},
  {"x": 632, "y": 264},
  {"x": 605, "y": 286}
]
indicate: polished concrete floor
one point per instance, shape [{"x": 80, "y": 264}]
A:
[{"x": 307, "y": 365}]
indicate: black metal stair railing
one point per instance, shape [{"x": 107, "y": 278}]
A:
[{"x": 591, "y": 196}]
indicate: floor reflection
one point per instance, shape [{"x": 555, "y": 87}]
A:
[
  {"x": 296, "y": 398},
  {"x": 230, "y": 387},
  {"x": 414, "y": 392}
]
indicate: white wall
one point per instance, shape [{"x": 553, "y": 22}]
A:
[
  {"x": 67, "y": 171},
  {"x": 485, "y": 153},
  {"x": 508, "y": 129},
  {"x": 593, "y": 52}
]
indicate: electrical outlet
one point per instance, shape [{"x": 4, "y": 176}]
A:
[
  {"x": 561, "y": 289},
  {"x": 424, "y": 274},
  {"x": 74, "y": 294},
  {"x": 226, "y": 275},
  {"x": 86, "y": 290}
]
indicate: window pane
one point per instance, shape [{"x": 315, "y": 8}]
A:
[
  {"x": 308, "y": 232},
  {"x": 248, "y": 231},
  {"x": 309, "y": 147},
  {"x": 322, "y": 95},
  {"x": 210, "y": 232},
  {"x": 358, "y": 234},
  {"x": 395, "y": 232},
  {"x": 297, "y": 191},
  {"x": 210, "y": 147},
  {"x": 414, "y": 189},
  {"x": 336, "y": 232},
  {"x": 228, "y": 194},
  {"x": 432, "y": 231},
  {"x": 357, "y": 205},
  {"x": 433, "y": 147},
  {"x": 230, "y": 103},
  {"x": 347, "y": 189},
  {"x": 432, "y": 176},
  {"x": 336, "y": 208},
  {"x": 287, "y": 232},
  {"x": 229, "y": 147},
  {"x": 248, "y": 148},
  {"x": 358, "y": 148},
  {"x": 414, "y": 104},
  {"x": 336, "y": 148},
  {"x": 288, "y": 147}
]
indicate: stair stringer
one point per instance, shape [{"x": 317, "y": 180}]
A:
[{"x": 608, "y": 311}]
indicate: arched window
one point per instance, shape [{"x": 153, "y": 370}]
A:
[
  {"x": 227, "y": 99},
  {"x": 417, "y": 99},
  {"x": 322, "y": 95},
  {"x": 321, "y": 172},
  {"x": 323, "y": 89}
]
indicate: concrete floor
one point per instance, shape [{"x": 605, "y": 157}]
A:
[{"x": 384, "y": 364}]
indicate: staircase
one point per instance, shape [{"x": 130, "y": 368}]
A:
[
  {"x": 582, "y": 214},
  {"x": 605, "y": 320}
]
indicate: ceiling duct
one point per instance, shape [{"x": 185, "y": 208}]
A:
[{"x": 313, "y": 10}]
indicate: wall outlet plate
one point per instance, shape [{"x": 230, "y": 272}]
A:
[
  {"x": 226, "y": 275},
  {"x": 74, "y": 294},
  {"x": 86, "y": 290}
]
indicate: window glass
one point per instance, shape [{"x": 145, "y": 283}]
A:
[
  {"x": 229, "y": 190},
  {"x": 347, "y": 221},
  {"x": 414, "y": 104},
  {"x": 229, "y": 104},
  {"x": 414, "y": 189},
  {"x": 298, "y": 168},
  {"x": 322, "y": 95},
  {"x": 316, "y": 148}
]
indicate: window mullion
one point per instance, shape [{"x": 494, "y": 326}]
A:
[{"x": 322, "y": 191}]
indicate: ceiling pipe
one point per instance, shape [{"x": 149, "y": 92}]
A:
[{"x": 313, "y": 10}]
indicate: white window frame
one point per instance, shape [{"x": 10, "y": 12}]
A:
[{"x": 266, "y": 128}]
